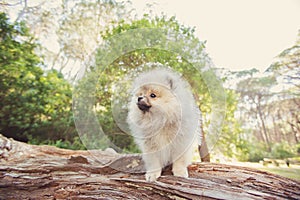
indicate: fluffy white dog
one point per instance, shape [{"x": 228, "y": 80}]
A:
[{"x": 165, "y": 121}]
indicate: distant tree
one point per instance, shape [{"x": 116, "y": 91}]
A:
[
  {"x": 287, "y": 66},
  {"x": 269, "y": 105},
  {"x": 256, "y": 95}
]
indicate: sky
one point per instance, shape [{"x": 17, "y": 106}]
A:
[{"x": 240, "y": 34}]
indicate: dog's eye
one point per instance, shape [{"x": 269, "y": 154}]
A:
[{"x": 152, "y": 95}]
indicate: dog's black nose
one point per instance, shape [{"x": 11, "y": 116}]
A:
[
  {"x": 139, "y": 99},
  {"x": 143, "y": 106}
]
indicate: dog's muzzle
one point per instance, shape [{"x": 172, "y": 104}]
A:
[{"x": 142, "y": 104}]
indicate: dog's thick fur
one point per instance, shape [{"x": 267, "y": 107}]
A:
[{"x": 164, "y": 120}]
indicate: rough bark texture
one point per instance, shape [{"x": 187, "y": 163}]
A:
[{"x": 44, "y": 172}]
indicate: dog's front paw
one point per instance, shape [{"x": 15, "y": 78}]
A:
[
  {"x": 153, "y": 175},
  {"x": 182, "y": 172}
]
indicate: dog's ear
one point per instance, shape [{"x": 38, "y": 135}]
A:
[{"x": 170, "y": 82}]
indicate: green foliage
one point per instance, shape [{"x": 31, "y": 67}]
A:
[
  {"x": 231, "y": 143},
  {"x": 298, "y": 149},
  {"x": 282, "y": 150},
  {"x": 76, "y": 143},
  {"x": 19, "y": 77},
  {"x": 257, "y": 151},
  {"x": 34, "y": 104}
]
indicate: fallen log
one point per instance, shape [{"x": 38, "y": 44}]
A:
[{"x": 46, "y": 172}]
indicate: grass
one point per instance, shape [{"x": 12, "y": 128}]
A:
[{"x": 292, "y": 172}]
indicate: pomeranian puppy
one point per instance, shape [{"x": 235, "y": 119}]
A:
[{"x": 165, "y": 121}]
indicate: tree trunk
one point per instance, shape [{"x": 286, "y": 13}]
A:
[
  {"x": 45, "y": 172},
  {"x": 262, "y": 120}
]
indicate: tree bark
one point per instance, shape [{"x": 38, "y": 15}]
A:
[{"x": 45, "y": 172}]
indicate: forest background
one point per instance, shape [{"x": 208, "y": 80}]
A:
[{"x": 49, "y": 45}]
